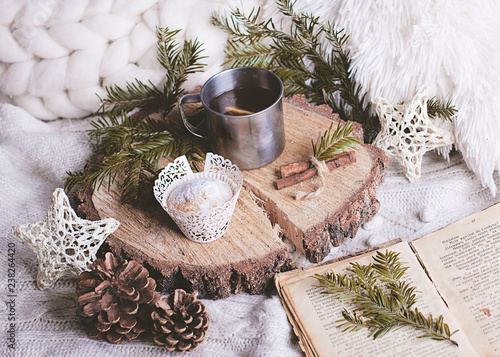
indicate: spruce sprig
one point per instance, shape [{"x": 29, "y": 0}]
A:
[
  {"x": 384, "y": 302},
  {"x": 332, "y": 143},
  {"x": 131, "y": 146},
  {"x": 310, "y": 57},
  {"x": 437, "y": 107},
  {"x": 132, "y": 150},
  {"x": 179, "y": 62}
]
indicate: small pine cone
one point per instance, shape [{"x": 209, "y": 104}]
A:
[
  {"x": 180, "y": 321},
  {"x": 115, "y": 299}
]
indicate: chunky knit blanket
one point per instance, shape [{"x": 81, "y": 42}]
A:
[{"x": 57, "y": 55}]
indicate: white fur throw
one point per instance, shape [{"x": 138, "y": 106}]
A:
[{"x": 57, "y": 55}]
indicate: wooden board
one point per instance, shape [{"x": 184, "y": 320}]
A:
[
  {"x": 251, "y": 252},
  {"x": 348, "y": 199}
]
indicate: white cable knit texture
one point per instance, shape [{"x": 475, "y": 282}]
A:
[{"x": 58, "y": 56}]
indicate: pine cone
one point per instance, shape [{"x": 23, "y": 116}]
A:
[
  {"x": 114, "y": 299},
  {"x": 180, "y": 321}
]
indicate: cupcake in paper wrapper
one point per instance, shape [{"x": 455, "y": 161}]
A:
[{"x": 200, "y": 222}]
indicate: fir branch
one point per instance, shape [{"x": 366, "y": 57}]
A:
[
  {"x": 133, "y": 152},
  {"x": 436, "y": 107},
  {"x": 311, "y": 59},
  {"x": 135, "y": 95},
  {"x": 254, "y": 55},
  {"x": 178, "y": 61},
  {"x": 131, "y": 146},
  {"x": 330, "y": 144},
  {"x": 384, "y": 302},
  {"x": 243, "y": 28},
  {"x": 299, "y": 58}
]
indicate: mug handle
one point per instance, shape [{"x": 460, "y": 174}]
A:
[{"x": 191, "y": 98}]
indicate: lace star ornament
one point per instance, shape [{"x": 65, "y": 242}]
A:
[
  {"x": 63, "y": 242},
  {"x": 407, "y": 132}
]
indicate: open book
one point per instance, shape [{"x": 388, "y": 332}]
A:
[{"x": 457, "y": 273}]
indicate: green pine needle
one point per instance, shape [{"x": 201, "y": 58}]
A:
[
  {"x": 131, "y": 146},
  {"x": 331, "y": 144},
  {"x": 436, "y": 107},
  {"x": 383, "y": 301},
  {"x": 135, "y": 95},
  {"x": 310, "y": 57},
  {"x": 299, "y": 57},
  {"x": 178, "y": 62}
]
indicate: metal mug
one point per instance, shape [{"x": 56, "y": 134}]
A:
[{"x": 249, "y": 141}]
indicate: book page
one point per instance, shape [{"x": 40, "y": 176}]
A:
[
  {"x": 463, "y": 260},
  {"x": 315, "y": 315}
]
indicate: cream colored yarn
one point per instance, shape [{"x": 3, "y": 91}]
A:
[
  {"x": 63, "y": 242},
  {"x": 57, "y": 57},
  {"x": 322, "y": 172},
  {"x": 407, "y": 133}
]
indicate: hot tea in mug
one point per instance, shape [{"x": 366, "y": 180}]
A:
[
  {"x": 243, "y": 101},
  {"x": 243, "y": 116}
]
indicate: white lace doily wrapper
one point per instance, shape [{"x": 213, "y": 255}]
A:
[{"x": 205, "y": 225}]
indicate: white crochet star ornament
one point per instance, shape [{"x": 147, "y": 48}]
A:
[
  {"x": 407, "y": 132},
  {"x": 63, "y": 242}
]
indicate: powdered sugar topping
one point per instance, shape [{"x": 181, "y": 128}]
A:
[{"x": 202, "y": 194}]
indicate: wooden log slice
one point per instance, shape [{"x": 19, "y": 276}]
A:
[
  {"x": 244, "y": 259},
  {"x": 348, "y": 199}
]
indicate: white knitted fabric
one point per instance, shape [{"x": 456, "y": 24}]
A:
[
  {"x": 34, "y": 157},
  {"x": 57, "y": 56},
  {"x": 397, "y": 46}
]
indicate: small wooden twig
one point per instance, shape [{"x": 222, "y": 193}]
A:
[{"x": 294, "y": 178}]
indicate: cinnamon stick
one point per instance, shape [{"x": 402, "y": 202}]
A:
[
  {"x": 332, "y": 164},
  {"x": 297, "y": 167},
  {"x": 237, "y": 111}
]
